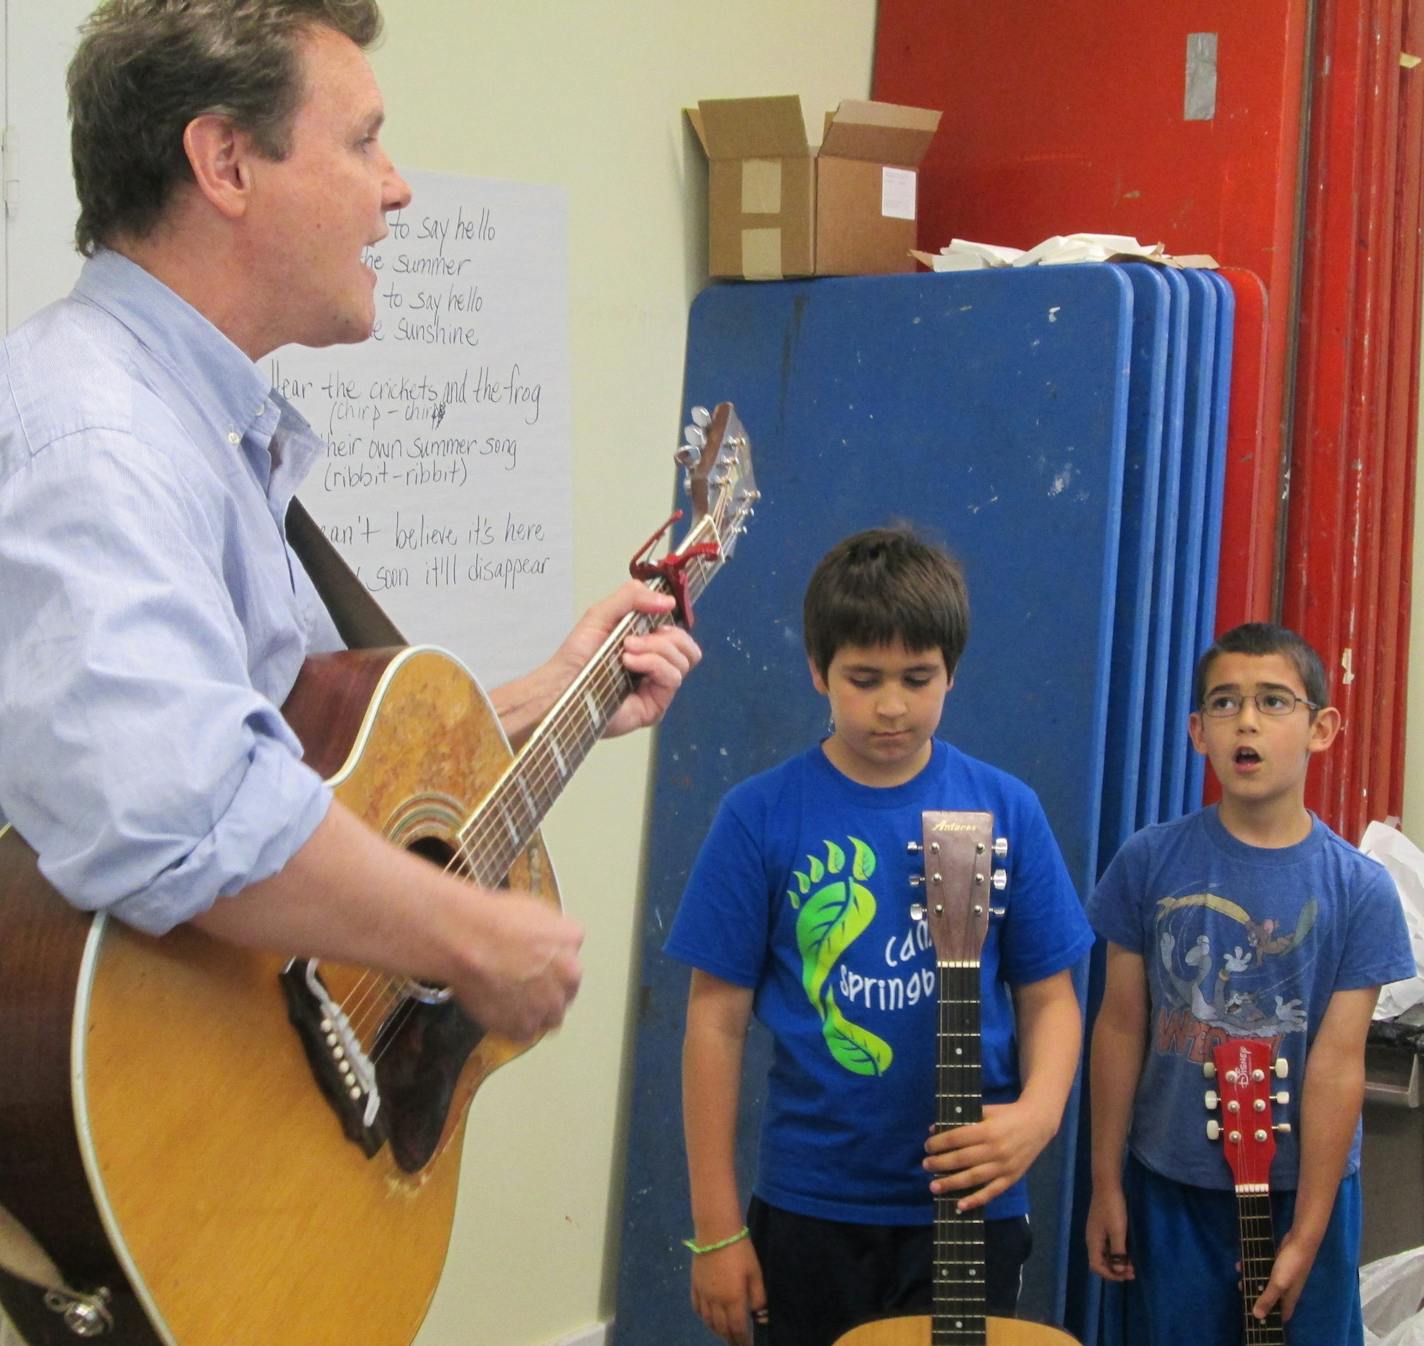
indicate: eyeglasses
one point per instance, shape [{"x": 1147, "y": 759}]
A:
[{"x": 1276, "y": 701}]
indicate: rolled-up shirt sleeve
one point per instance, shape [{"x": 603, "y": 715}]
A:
[{"x": 137, "y": 757}]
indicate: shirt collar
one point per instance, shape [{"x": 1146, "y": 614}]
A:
[
  {"x": 239, "y": 395},
  {"x": 176, "y": 334}
]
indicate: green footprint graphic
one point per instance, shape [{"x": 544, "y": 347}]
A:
[{"x": 829, "y": 920}]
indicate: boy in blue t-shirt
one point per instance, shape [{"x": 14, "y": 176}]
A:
[
  {"x": 1247, "y": 919},
  {"x": 798, "y": 910}
]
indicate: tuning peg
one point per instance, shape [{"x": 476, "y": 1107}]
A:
[
  {"x": 1282, "y": 1067},
  {"x": 917, "y": 911},
  {"x": 1001, "y": 847},
  {"x": 999, "y": 879},
  {"x": 914, "y": 848},
  {"x": 1213, "y": 1129},
  {"x": 693, "y": 434},
  {"x": 701, "y": 416},
  {"x": 996, "y": 911},
  {"x": 1282, "y": 1127},
  {"x": 1212, "y": 1099},
  {"x": 1282, "y": 1098},
  {"x": 1209, "y": 1069},
  {"x": 917, "y": 880}
]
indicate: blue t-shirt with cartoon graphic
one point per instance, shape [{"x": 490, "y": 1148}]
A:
[
  {"x": 1240, "y": 941},
  {"x": 851, "y": 1093}
]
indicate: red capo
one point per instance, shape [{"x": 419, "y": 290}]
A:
[{"x": 672, "y": 569}]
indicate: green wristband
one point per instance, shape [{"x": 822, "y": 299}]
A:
[{"x": 727, "y": 1242}]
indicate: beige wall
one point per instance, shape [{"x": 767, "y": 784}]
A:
[{"x": 589, "y": 95}]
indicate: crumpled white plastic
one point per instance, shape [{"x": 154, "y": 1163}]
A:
[
  {"x": 1392, "y": 1297},
  {"x": 962, "y": 254},
  {"x": 1405, "y": 862}
]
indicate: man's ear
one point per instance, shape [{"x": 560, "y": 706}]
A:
[
  {"x": 817, "y": 681},
  {"x": 1324, "y": 728},
  {"x": 218, "y": 154}
]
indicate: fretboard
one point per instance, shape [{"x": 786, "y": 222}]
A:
[
  {"x": 1258, "y": 1253},
  {"x": 958, "y": 1295},
  {"x": 493, "y": 836}
]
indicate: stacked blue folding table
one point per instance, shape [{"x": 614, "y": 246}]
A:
[{"x": 1035, "y": 422}]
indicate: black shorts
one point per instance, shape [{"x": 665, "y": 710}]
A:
[{"x": 824, "y": 1277}]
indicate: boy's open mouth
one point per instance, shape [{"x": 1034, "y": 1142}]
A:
[{"x": 1246, "y": 756}]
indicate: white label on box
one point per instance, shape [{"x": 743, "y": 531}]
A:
[{"x": 897, "y": 193}]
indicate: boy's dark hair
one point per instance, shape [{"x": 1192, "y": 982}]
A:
[
  {"x": 144, "y": 69},
  {"x": 881, "y": 586},
  {"x": 1265, "y": 638}
]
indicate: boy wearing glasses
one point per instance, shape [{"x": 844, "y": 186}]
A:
[{"x": 1249, "y": 918}]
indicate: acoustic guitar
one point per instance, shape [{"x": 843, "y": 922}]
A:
[
  {"x": 218, "y": 1147},
  {"x": 959, "y": 849},
  {"x": 1242, "y": 1069}
]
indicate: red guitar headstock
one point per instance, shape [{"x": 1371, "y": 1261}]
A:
[
  {"x": 1243, "y": 1069},
  {"x": 959, "y": 850}
]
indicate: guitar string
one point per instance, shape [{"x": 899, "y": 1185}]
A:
[
  {"x": 377, "y": 993},
  {"x": 959, "y": 1017},
  {"x": 1254, "y": 1232},
  {"x": 381, "y": 992}
]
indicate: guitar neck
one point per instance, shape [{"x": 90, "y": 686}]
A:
[
  {"x": 1258, "y": 1253},
  {"x": 505, "y": 822},
  {"x": 958, "y": 1292}
]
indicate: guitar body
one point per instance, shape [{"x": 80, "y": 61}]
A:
[
  {"x": 915, "y": 1330},
  {"x": 169, "y": 1124}
]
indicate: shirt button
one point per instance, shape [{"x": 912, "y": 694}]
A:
[{"x": 233, "y": 437}]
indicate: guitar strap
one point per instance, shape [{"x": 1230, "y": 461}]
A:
[
  {"x": 358, "y": 617},
  {"x": 362, "y": 624},
  {"x": 22, "y": 1257}
]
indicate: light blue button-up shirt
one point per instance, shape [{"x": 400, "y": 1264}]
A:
[{"x": 152, "y": 618}]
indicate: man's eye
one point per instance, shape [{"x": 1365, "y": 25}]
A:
[
  {"x": 1275, "y": 700},
  {"x": 865, "y": 684},
  {"x": 1222, "y": 704}
]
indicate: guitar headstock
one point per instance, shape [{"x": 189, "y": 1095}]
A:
[
  {"x": 1243, "y": 1069},
  {"x": 717, "y": 454},
  {"x": 959, "y": 852}
]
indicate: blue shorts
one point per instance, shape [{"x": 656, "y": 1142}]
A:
[{"x": 1184, "y": 1249}]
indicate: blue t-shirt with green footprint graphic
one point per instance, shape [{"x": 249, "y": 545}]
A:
[{"x": 802, "y": 891}]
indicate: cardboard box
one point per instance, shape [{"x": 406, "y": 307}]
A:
[{"x": 777, "y": 208}]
